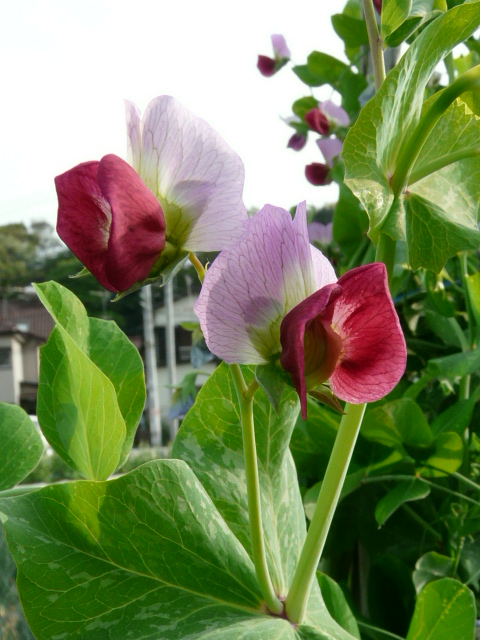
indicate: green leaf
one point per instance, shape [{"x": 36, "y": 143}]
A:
[
  {"x": 446, "y": 457},
  {"x": 433, "y": 233},
  {"x": 210, "y": 441},
  {"x": 273, "y": 381},
  {"x": 108, "y": 348},
  {"x": 445, "y": 609},
  {"x": 78, "y": 409},
  {"x": 304, "y": 105},
  {"x": 350, "y": 222},
  {"x": 351, "y": 30},
  {"x": 337, "y": 604},
  {"x": 144, "y": 556},
  {"x": 402, "y": 493},
  {"x": 22, "y": 446},
  {"x": 324, "y": 69},
  {"x": 456, "y": 365},
  {"x": 400, "y": 24},
  {"x": 394, "y": 14},
  {"x": 432, "y": 566},
  {"x": 396, "y": 424},
  {"x": 473, "y": 288},
  {"x": 456, "y": 418},
  {"x": 385, "y": 125}
]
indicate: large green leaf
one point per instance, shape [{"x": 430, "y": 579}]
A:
[
  {"x": 210, "y": 441},
  {"x": 445, "y": 609},
  {"x": 146, "y": 556},
  {"x": 21, "y": 448},
  {"x": 107, "y": 347},
  {"x": 385, "y": 125},
  {"x": 78, "y": 409}
]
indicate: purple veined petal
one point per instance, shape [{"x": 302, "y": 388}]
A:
[
  {"x": 250, "y": 287},
  {"x": 330, "y": 148},
  {"x": 374, "y": 352},
  {"x": 197, "y": 178},
  {"x": 134, "y": 134},
  {"x": 335, "y": 112},
  {"x": 280, "y": 48}
]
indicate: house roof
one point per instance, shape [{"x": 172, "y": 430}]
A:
[{"x": 25, "y": 316}]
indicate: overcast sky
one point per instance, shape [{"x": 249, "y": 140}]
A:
[{"x": 68, "y": 65}]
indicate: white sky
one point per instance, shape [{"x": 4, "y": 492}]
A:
[{"x": 67, "y": 66}]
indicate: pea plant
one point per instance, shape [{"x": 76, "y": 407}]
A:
[{"x": 325, "y": 483}]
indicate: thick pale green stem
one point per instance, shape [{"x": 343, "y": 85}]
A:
[
  {"x": 386, "y": 249},
  {"x": 332, "y": 484},
  {"x": 245, "y": 400},
  {"x": 468, "y": 81},
  {"x": 376, "y": 47}
]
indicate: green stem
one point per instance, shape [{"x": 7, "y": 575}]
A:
[
  {"x": 328, "y": 498},
  {"x": 253, "y": 492},
  {"x": 200, "y": 269},
  {"x": 408, "y": 154},
  {"x": 376, "y": 46},
  {"x": 386, "y": 249},
  {"x": 442, "y": 161}
]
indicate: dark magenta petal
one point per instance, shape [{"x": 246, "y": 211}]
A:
[
  {"x": 318, "y": 121},
  {"x": 374, "y": 352},
  {"x": 297, "y": 142},
  {"x": 378, "y": 5},
  {"x": 84, "y": 218},
  {"x": 318, "y": 174},
  {"x": 266, "y": 66},
  {"x": 110, "y": 220},
  {"x": 137, "y": 233},
  {"x": 317, "y": 307}
]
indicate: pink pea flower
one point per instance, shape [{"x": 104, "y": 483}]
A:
[
  {"x": 318, "y": 121},
  {"x": 269, "y": 66},
  {"x": 184, "y": 193},
  {"x": 275, "y": 298},
  {"x": 336, "y": 114},
  {"x": 111, "y": 221},
  {"x": 197, "y": 178}
]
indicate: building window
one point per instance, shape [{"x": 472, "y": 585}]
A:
[
  {"x": 183, "y": 346},
  {"x": 5, "y": 357}
]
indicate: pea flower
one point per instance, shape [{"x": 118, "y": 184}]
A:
[
  {"x": 318, "y": 173},
  {"x": 275, "y": 298},
  {"x": 269, "y": 66},
  {"x": 326, "y": 116},
  {"x": 184, "y": 193},
  {"x": 197, "y": 178},
  {"x": 111, "y": 221}
]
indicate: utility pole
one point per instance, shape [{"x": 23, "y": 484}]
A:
[
  {"x": 153, "y": 397},
  {"x": 170, "y": 347}
]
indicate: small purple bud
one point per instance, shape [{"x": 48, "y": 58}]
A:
[
  {"x": 318, "y": 174},
  {"x": 297, "y": 141},
  {"x": 266, "y": 66}
]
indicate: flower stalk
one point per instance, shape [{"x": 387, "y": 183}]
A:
[
  {"x": 245, "y": 401},
  {"x": 297, "y": 598}
]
